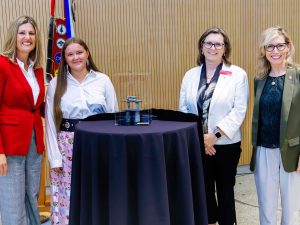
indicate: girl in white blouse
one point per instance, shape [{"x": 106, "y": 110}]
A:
[{"x": 78, "y": 91}]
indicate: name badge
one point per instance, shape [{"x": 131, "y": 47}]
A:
[{"x": 226, "y": 72}]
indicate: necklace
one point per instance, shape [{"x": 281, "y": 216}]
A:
[
  {"x": 273, "y": 81},
  {"x": 276, "y": 80},
  {"x": 209, "y": 76},
  {"x": 210, "y": 73},
  {"x": 274, "y": 77}
]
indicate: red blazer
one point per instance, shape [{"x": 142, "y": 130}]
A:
[{"x": 18, "y": 114}]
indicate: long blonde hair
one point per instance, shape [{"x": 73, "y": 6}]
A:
[
  {"x": 263, "y": 65},
  {"x": 61, "y": 85},
  {"x": 10, "y": 44}
]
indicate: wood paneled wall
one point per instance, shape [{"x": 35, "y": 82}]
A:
[{"x": 157, "y": 39}]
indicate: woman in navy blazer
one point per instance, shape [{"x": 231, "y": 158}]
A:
[
  {"x": 21, "y": 131},
  {"x": 218, "y": 92}
]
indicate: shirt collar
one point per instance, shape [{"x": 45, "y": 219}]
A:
[
  {"x": 90, "y": 73},
  {"x": 21, "y": 64}
]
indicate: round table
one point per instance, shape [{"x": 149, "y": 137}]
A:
[{"x": 137, "y": 175}]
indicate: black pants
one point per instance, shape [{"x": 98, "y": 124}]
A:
[{"x": 219, "y": 173}]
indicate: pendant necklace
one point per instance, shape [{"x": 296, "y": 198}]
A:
[
  {"x": 274, "y": 78},
  {"x": 273, "y": 82}
]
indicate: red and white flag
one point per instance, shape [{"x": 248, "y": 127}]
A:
[{"x": 60, "y": 29}]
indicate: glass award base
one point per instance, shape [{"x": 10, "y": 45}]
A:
[{"x": 133, "y": 117}]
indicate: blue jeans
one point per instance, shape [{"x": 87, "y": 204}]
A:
[{"x": 19, "y": 189}]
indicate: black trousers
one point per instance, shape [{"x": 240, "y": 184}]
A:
[{"x": 219, "y": 174}]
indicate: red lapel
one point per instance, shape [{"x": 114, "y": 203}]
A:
[
  {"x": 40, "y": 79},
  {"x": 24, "y": 83}
]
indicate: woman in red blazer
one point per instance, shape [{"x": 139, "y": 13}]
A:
[{"x": 21, "y": 130}]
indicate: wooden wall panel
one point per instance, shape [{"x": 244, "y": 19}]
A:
[{"x": 157, "y": 39}]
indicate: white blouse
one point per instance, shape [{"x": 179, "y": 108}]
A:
[
  {"x": 94, "y": 95},
  {"x": 31, "y": 79}
]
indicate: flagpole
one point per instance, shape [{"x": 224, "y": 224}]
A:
[{"x": 49, "y": 63}]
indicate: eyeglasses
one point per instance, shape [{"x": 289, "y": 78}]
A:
[
  {"x": 280, "y": 47},
  {"x": 210, "y": 45}
]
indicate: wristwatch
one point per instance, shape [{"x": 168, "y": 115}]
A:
[{"x": 217, "y": 134}]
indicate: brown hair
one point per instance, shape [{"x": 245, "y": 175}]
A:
[
  {"x": 227, "y": 45},
  {"x": 61, "y": 86}
]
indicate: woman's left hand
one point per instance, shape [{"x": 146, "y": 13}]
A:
[
  {"x": 298, "y": 168},
  {"x": 209, "y": 142}
]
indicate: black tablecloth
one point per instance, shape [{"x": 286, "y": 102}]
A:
[{"x": 137, "y": 175}]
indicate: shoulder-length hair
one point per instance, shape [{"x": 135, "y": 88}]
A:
[
  {"x": 227, "y": 45},
  {"x": 263, "y": 65},
  {"x": 61, "y": 86},
  {"x": 10, "y": 44}
]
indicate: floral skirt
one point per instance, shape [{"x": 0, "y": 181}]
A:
[{"x": 61, "y": 182}]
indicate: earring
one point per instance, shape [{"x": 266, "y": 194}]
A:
[{"x": 88, "y": 63}]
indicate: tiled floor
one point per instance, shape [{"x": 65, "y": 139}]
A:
[{"x": 246, "y": 199}]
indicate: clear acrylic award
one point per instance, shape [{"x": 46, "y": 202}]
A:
[{"x": 134, "y": 96}]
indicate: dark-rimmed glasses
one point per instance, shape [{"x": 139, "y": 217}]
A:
[
  {"x": 210, "y": 45},
  {"x": 280, "y": 47}
]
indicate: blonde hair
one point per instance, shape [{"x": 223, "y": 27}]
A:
[
  {"x": 263, "y": 65},
  {"x": 10, "y": 44}
]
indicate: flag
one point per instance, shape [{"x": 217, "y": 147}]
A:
[
  {"x": 60, "y": 29},
  {"x": 69, "y": 15}
]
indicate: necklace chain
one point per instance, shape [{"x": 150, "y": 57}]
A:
[
  {"x": 209, "y": 75},
  {"x": 275, "y": 80},
  {"x": 277, "y": 74}
]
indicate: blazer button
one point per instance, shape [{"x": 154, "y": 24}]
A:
[{"x": 32, "y": 110}]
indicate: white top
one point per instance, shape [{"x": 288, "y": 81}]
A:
[
  {"x": 31, "y": 79},
  {"x": 228, "y": 104},
  {"x": 94, "y": 95}
]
